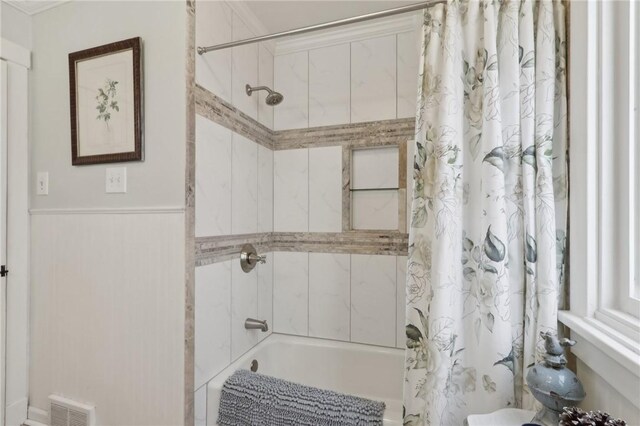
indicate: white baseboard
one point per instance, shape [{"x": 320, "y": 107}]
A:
[
  {"x": 37, "y": 417},
  {"x": 16, "y": 413},
  {"x": 33, "y": 423}
]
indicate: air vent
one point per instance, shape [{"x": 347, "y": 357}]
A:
[{"x": 67, "y": 412}]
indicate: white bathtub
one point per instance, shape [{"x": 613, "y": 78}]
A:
[{"x": 367, "y": 371}]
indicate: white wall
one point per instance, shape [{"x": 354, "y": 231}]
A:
[
  {"x": 17, "y": 247},
  {"x": 604, "y": 397},
  {"x": 107, "y": 273},
  {"x": 16, "y": 25},
  {"x": 159, "y": 180}
]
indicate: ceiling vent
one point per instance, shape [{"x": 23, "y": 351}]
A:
[{"x": 66, "y": 412}]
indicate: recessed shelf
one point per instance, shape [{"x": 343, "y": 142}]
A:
[{"x": 373, "y": 189}]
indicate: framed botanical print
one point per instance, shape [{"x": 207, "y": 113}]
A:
[{"x": 105, "y": 84}]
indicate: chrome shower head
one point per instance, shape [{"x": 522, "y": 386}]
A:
[{"x": 273, "y": 98}]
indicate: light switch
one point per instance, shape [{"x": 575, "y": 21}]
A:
[
  {"x": 42, "y": 185},
  {"x": 116, "y": 180}
]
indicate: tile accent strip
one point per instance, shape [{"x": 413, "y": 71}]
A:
[
  {"x": 355, "y": 242},
  {"x": 219, "y": 111},
  {"x": 189, "y": 225},
  {"x": 218, "y": 249},
  {"x": 369, "y": 134}
]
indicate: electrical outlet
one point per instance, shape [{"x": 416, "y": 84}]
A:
[
  {"x": 42, "y": 185},
  {"x": 116, "y": 180}
]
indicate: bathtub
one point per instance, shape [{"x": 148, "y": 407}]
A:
[{"x": 367, "y": 371}]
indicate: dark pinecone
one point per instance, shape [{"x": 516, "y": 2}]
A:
[{"x": 573, "y": 416}]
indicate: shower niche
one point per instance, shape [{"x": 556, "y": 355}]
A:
[{"x": 375, "y": 188}]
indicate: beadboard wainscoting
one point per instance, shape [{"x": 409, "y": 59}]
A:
[{"x": 105, "y": 325}]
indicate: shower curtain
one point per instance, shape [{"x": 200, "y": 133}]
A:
[{"x": 487, "y": 237}]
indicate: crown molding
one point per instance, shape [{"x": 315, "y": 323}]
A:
[
  {"x": 32, "y": 7},
  {"x": 252, "y": 22},
  {"x": 355, "y": 32}
]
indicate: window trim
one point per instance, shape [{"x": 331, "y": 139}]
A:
[{"x": 608, "y": 338}]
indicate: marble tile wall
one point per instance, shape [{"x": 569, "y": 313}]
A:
[
  {"x": 329, "y": 86},
  {"x": 244, "y": 69},
  {"x": 291, "y": 190},
  {"x": 213, "y": 26},
  {"x": 291, "y": 293},
  {"x": 213, "y": 320},
  {"x": 200, "y": 406},
  {"x": 226, "y": 72},
  {"x": 234, "y": 192},
  {"x": 225, "y": 297},
  {"x": 330, "y": 295},
  {"x": 365, "y": 80},
  {"x": 347, "y": 297},
  {"x": 213, "y": 178},
  {"x": 325, "y": 189},
  {"x": 373, "y": 79},
  {"x": 291, "y": 78},
  {"x": 244, "y": 186}
]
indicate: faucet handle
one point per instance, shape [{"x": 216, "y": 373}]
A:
[
  {"x": 260, "y": 258},
  {"x": 249, "y": 258}
]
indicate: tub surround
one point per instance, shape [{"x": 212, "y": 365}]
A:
[{"x": 313, "y": 283}]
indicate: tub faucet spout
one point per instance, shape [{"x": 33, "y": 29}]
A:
[{"x": 254, "y": 324}]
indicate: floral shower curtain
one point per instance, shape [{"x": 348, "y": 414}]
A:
[{"x": 487, "y": 237}]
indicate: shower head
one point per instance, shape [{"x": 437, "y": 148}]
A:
[{"x": 273, "y": 98}]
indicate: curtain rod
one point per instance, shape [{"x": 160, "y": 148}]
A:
[{"x": 382, "y": 14}]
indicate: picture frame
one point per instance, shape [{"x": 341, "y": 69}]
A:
[{"x": 105, "y": 93}]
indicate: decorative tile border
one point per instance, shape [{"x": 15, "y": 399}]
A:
[
  {"x": 190, "y": 184},
  {"x": 219, "y": 111},
  {"x": 355, "y": 242},
  {"x": 218, "y": 249},
  {"x": 369, "y": 134},
  {"x": 346, "y": 188}
]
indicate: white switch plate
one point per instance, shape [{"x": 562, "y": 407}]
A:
[
  {"x": 116, "y": 180},
  {"x": 42, "y": 185}
]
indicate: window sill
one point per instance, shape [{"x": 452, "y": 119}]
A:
[{"x": 612, "y": 355}]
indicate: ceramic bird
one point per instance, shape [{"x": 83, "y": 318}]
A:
[{"x": 553, "y": 345}]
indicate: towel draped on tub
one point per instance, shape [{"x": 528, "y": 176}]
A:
[{"x": 252, "y": 399}]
